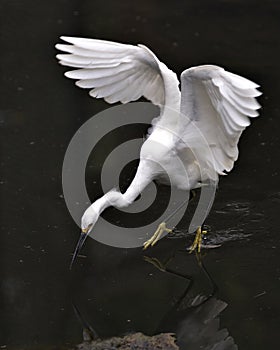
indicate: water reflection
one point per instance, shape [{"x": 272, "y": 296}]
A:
[
  {"x": 193, "y": 318},
  {"x": 197, "y": 317},
  {"x": 40, "y": 112},
  {"x": 200, "y": 326},
  {"x": 238, "y": 220}
]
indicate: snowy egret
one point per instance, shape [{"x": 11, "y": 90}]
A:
[{"x": 212, "y": 102}]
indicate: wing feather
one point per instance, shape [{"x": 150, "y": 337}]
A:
[
  {"x": 113, "y": 71},
  {"x": 107, "y": 80},
  {"x": 234, "y": 98},
  {"x": 93, "y": 53},
  {"x": 218, "y": 104},
  {"x": 98, "y": 72},
  {"x": 89, "y": 62}
]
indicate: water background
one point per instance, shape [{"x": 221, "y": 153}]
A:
[{"x": 115, "y": 289}]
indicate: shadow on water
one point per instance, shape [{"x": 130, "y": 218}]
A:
[
  {"x": 193, "y": 318},
  {"x": 115, "y": 290},
  {"x": 176, "y": 293}
]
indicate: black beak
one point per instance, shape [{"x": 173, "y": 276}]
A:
[
  {"x": 88, "y": 331},
  {"x": 78, "y": 248}
]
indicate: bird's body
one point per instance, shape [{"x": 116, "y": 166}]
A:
[{"x": 196, "y": 135}]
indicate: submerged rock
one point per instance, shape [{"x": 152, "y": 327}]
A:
[{"x": 135, "y": 341}]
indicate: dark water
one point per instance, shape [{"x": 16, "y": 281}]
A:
[{"x": 116, "y": 290}]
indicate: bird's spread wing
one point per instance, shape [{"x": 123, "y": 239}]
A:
[
  {"x": 218, "y": 104},
  {"x": 113, "y": 71}
]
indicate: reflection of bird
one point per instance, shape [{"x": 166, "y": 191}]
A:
[
  {"x": 193, "y": 146},
  {"x": 194, "y": 320},
  {"x": 199, "y": 328}
]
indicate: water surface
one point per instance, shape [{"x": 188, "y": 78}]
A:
[{"x": 116, "y": 290}]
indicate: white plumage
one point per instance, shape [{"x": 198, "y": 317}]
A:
[{"x": 213, "y": 105}]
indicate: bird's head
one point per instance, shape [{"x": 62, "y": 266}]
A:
[{"x": 89, "y": 219}]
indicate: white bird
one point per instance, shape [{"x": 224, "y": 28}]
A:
[{"x": 213, "y": 108}]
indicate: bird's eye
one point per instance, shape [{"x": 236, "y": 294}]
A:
[{"x": 86, "y": 230}]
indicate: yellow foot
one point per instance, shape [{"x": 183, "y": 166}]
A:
[
  {"x": 156, "y": 236},
  {"x": 198, "y": 240}
]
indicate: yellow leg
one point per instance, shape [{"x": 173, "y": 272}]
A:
[
  {"x": 156, "y": 236},
  {"x": 197, "y": 240},
  {"x": 154, "y": 261}
]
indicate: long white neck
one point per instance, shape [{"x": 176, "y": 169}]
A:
[
  {"x": 112, "y": 198},
  {"x": 118, "y": 200}
]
